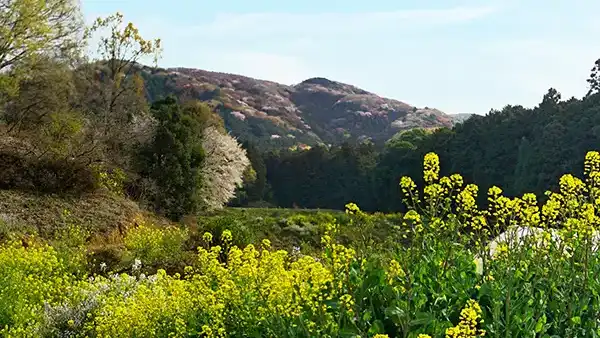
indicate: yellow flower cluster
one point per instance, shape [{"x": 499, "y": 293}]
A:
[
  {"x": 29, "y": 278},
  {"x": 394, "y": 275},
  {"x": 149, "y": 302},
  {"x": 466, "y": 200},
  {"x": 253, "y": 286},
  {"x": 352, "y": 208},
  {"x": 154, "y": 245},
  {"x": 431, "y": 170},
  {"x": 407, "y": 184},
  {"x": 394, "y": 271},
  {"x": 207, "y": 237},
  {"x": 250, "y": 289},
  {"x": 574, "y": 206},
  {"x": 412, "y": 219},
  {"x": 470, "y": 319},
  {"x": 226, "y": 236}
]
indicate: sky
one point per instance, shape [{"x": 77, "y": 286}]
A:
[{"x": 457, "y": 56}]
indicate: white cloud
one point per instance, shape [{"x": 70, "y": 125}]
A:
[
  {"x": 335, "y": 23},
  {"x": 274, "y": 67},
  {"x": 532, "y": 66}
]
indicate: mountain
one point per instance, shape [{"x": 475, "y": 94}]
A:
[
  {"x": 460, "y": 117},
  {"x": 274, "y": 115}
]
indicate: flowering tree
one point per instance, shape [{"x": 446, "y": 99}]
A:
[{"x": 223, "y": 168}]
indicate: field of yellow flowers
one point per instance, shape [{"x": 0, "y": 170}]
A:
[{"x": 436, "y": 277}]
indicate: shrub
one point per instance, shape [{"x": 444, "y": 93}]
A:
[
  {"x": 112, "y": 180},
  {"x": 44, "y": 175}
]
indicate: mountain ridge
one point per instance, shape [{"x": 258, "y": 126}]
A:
[{"x": 315, "y": 111}]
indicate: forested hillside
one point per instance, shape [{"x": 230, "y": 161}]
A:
[
  {"x": 75, "y": 123},
  {"x": 521, "y": 149}
]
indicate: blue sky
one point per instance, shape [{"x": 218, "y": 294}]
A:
[{"x": 457, "y": 56}]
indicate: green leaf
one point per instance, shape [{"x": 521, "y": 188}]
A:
[
  {"x": 376, "y": 328},
  {"x": 349, "y": 332},
  {"x": 539, "y": 326},
  {"x": 422, "y": 318},
  {"x": 366, "y": 316},
  {"x": 334, "y": 304},
  {"x": 395, "y": 313},
  {"x": 576, "y": 320}
]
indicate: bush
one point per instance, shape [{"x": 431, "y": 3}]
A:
[
  {"x": 44, "y": 175},
  {"x": 112, "y": 179}
]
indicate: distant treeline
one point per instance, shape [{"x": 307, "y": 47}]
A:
[{"x": 520, "y": 149}]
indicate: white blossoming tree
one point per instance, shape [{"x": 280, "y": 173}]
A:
[{"x": 223, "y": 169}]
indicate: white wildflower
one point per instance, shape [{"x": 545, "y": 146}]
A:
[{"x": 137, "y": 264}]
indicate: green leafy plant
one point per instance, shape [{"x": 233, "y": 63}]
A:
[{"x": 154, "y": 246}]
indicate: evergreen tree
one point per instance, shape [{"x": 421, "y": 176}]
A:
[{"x": 173, "y": 159}]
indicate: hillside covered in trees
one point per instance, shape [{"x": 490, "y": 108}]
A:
[
  {"x": 521, "y": 149},
  {"x": 75, "y": 123}
]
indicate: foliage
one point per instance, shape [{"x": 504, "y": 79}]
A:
[
  {"x": 58, "y": 109},
  {"x": 30, "y": 29},
  {"x": 322, "y": 178},
  {"x": 112, "y": 91},
  {"x": 408, "y": 139},
  {"x": 297, "y": 229},
  {"x": 594, "y": 79},
  {"x": 42, "y": 100},
  {"x": 112, "y": 180},
  {"x": 45, "y": 175},
  {"x": 154, "y": 246},
  {"x": 445, "y": 280},
  {"x": 521, "y": 149},
  {"x": 173, "y": 160},
  {"x": 39, "y": 40},
  {"x": 522, "y": 277}
]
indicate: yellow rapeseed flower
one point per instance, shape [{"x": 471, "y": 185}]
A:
[
  {"x": 207, "y": 237},
  {"x": 431, "y": 168},
  {"x": 226, "y": 236},
  {"x": 470, "y": 318}
]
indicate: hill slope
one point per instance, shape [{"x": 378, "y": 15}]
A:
[
  {"x": 460, "y": 117},
  {"x": 100, "y": 213},
  {"x": 274, "y": 115}
]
